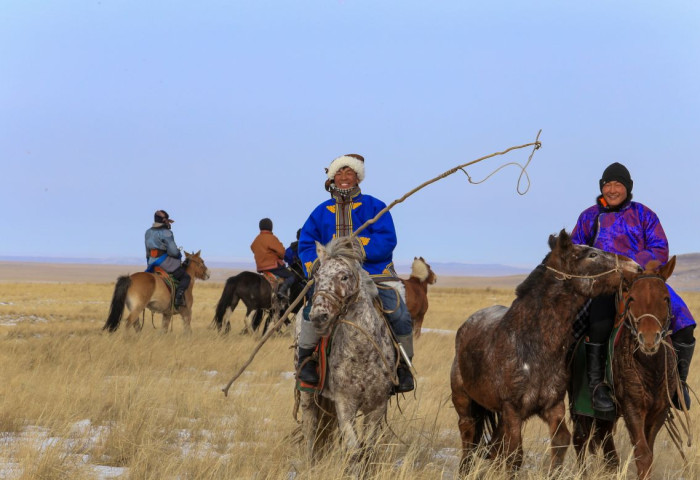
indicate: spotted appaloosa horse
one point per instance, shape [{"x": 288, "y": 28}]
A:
[
  {"x": 510, "y": 363},
  {"x": 644, "y": 372},
  {"x": 142, "y": 290},
  {"x": 417, "y": 291},
  {"x": 362, "y": 360}
]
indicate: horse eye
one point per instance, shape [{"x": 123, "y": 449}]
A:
[{"x": 592, "y": 254}]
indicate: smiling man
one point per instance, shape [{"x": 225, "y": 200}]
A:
[
  {"x": 346, "y": 210},
  {"x": 617, "y": 224}
]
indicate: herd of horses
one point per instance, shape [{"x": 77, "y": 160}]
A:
[{"x": 510, "y": 363}]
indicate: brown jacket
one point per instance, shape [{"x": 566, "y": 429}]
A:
[{"x": 268, "y": 251}]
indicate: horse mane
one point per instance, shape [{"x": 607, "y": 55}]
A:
[
  {"x": 346, "y": 248},
  {"x": 419, "y": 270},
  {"x": 533, "y": 280}
]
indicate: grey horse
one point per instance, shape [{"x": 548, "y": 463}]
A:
[{"x": 362, "y": 360}]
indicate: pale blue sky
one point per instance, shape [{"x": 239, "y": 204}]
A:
[{"x": 224, "y": 112}]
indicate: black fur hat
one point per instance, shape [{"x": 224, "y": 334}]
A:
[
  {"x": 617, "y": 172},
  {"x": 161, "y": 216},
  {"x": 265, "y": 224}
]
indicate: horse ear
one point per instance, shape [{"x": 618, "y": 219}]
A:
[
  {"x": 321, "y": 252},
  {"x": 198, "y": 252},
  {"x": 667, "y": 269},
  {"x": 564, "y": 240}
]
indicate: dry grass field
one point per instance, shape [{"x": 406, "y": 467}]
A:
[{"x": 79, "y": 403}]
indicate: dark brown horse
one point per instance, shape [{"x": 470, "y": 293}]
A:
[
  {"x": 256, "y": 293},
  {"x": 142, "y": 290},
  {"x": 510, "y": 363},
  {"x": 417, "y": 291},
  {"x": 644, "y": 372}
]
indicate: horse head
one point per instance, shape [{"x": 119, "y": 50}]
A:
[
  {"x": 645, "y": 306},
  {"x": 340, "y": 280},
  {"x": 195, "y": 262},
  {"x": 421, "y": 270},
  {"x": 591, "y": 271}
]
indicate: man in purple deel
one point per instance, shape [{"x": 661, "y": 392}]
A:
[{"x": 617, "y": 224}]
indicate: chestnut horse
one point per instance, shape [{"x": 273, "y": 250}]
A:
[
  {"x": 644, "y": 371},
  {"x": 142, "y": 290},
  {"x": 510, "y": 363},
  {"x": 417, "y": 291}
]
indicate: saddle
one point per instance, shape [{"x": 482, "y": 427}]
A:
[{"x": 273, "y": 279}]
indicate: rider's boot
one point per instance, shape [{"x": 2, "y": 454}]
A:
[
  {"x": 406, "y": 383},
  {"x": 307, "y": 371},
  {"x": 180, "y": 297},
  {"x": 684, "y": 351},
  {"x": 600, "y": 391}
]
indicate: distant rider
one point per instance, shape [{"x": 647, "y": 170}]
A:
[
  {"x": 269, "y": 254},
  {"x": 161, "y": 251}
]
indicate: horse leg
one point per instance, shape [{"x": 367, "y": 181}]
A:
[
  {"x": 136, "y": 304},
  {"x": 346, "y": 422},
  {"x": 186, "y": 314},
  {"x": 604, "y": 438},
  {"x": 583, "y": 426},
  {"x": 165, "y": 325},
  {"x": 248, "y": 321},
  {"x": 643, "y": 455},
  {"x": 309, "y": 424},
  {"x": 512, "y": 443},
  {"x": 559, "y": 434},
  {"x": 417, "y": 325},
  {"x": 467, "y": 423}
]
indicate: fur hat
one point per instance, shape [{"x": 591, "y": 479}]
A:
[
  {"x": 265, "y": 224},
  {"x": 617, "y": 172},
  {"x": 352, "y": 160},
  {"x": 161, "y": 216}
]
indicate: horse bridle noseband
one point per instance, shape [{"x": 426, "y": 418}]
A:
[
  {"x": 341, "y": 303},
  {"x": 631, "y": 321}
]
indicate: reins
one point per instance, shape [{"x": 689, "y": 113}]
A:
[{"x": 569, "y": 276}]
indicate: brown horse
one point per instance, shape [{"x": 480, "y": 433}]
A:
[
  {"x": 510, "y": 363},
  {"x": 644, "y": 372},
  {"x": 417, "y": 291},
  {"x": 142, "y": 290}
]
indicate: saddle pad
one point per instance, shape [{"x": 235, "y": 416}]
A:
[
  {"x": 323, "y": 349},
  {"x": 580, "y": 401},
  {"x": 169, "y": 280}
]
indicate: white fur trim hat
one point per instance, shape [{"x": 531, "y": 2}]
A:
[{"x": 352, "y": 160}]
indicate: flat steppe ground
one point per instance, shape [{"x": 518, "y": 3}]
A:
[{"x": 79, "y": 403}]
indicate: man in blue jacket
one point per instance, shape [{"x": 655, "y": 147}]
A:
[
  {"x": 346, "y": 210},
  {"x": 161, "y": 251}
]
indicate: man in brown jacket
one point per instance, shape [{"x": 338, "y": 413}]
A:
[{"x": 269, "y": 254}]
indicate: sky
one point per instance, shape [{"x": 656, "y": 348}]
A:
[{"x": 224, "y": 112}]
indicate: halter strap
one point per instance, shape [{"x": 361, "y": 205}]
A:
[{"x": 569, "y": 276}]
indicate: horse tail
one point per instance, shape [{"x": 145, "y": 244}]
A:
[
  {"x": 116, "y": 309},
  {"x": 486, "y": 424},
  {"x": 228, "y": 296}
]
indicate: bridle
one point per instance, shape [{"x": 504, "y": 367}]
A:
[
  {"x": 568, "y": 276},
  {"x": 631, "y": 322},
  {"x": 341, "y": 303}
]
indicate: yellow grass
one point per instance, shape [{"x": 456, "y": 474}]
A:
[{"x": 79, "y": 403}]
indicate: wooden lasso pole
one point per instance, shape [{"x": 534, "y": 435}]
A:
[{"x": 536, "y": 145}]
